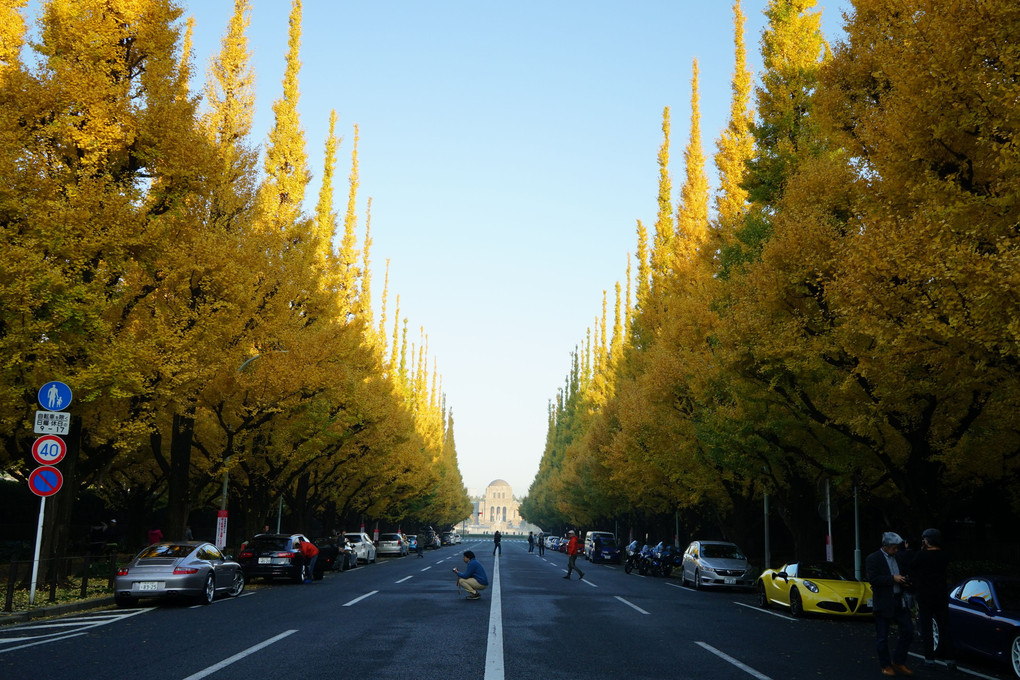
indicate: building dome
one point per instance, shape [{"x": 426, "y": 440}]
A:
[{"x": 498, "y": 482}]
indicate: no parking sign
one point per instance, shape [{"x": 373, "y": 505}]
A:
[{"x": 45, "y": 481}]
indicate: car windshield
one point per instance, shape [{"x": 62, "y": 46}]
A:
[
  {"x": 354, "y": 538},
  {"x": 823, "y": 571},
  {"x": 721, "y": 551},
  {"x": 269, "y": 543},
  {"x": 1008, "y": 593},
  {"x": 607, "y": 542},
  {"x": 166, "y": 550},
  {"x": 389, "y": 537}
]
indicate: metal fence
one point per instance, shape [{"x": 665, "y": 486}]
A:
[{"x": 70, "y": 577}]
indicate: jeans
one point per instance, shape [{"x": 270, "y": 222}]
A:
[{"x": 901, "y": 617}]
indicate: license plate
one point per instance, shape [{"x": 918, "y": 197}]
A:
[
  {"x": 265, "y": 560},
  {"x": 870, "y": 603},
  {"x": 148, "y": 585},
  {"x": 729, "y": 580}
]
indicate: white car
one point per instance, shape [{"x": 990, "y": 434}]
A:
[{"x": 363, "y": 545}]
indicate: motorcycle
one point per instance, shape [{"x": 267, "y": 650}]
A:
[
  {"x": 633, "y": 556},
  {"x": 669, "y": 558},
  {"x": 651, "y": 562}
]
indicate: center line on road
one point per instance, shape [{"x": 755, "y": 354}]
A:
[
  {"x": 630, "y": 604},
  {"x": 240, "y": 655},
  {"x": 589, "y": 583},
  {"x": 404, "y": 579},
  {"x": 426, "y": 568},
  {"x": 359, "y": 599},
  {"x": 726, "y": 657},
  {"x": 494, "y": 648}
]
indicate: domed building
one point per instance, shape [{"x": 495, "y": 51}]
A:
[{"x": 498, "y": 510}]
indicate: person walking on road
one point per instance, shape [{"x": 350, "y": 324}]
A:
[
  {"x": 473, "y": 578},
  {"x": 531, "y": 541},
  {"x": 496, "y": 537},
  {"x": 541, "y": 544},
  {"x": 572, "y": 550},
  {"x": 887, "y": 587}
]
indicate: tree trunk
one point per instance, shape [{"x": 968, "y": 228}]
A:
[{"x": 179, "y": 502}]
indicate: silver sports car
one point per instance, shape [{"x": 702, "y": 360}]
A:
[{"x": 178, "y": 569}]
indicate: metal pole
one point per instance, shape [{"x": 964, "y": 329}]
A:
[
  {"x": 857, "y": 538},
  {"x": 279, "y": 514},
  {"x": 38, "y": 548},
  {"x": 768, "y": 544},
  {"x": 830, "y": 551}
]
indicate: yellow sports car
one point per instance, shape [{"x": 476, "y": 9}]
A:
[{"x": 819, "y": 587}]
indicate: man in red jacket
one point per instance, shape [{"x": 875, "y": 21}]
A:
[
  {"x": 311, "y": 554},
  {"x": 572, "y": 550}
]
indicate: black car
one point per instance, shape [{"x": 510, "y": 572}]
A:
[
  {"x": 271, "y": 555},
  {"x": 984, "y": 613},
  {"x": 427, "y": 538},
  {"x": 329, "y": 554},
  {"x": 446, "y": 538}
]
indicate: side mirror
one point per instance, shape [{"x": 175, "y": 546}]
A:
[
  {"x": 783, "y": 575},
  {"x": 981, "y": 603}
]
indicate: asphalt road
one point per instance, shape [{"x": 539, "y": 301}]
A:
[{"x": 403, "y": 618}]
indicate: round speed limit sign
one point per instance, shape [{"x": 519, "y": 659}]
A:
[{"x": 49, "y": 449}]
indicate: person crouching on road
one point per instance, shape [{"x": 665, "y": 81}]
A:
[
  {"x": 473, "y": 578},
  {"x": 572, "y": 550},
  {"x": 311, "y": 554}
]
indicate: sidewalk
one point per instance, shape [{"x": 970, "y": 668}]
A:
[{"x": 55, "y": 610}]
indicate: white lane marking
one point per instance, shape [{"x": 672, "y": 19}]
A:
[
  {"x": 426, "y": 568},
  {"x": 84, "y": 625},
  {"x": 673, "y": 585},
  {"x": 960, "y": 669},
  {"x": 766, "y": 611},
  {"x": 630, "y": 604},
  {"x": 40, "y": 642},
  {"x": 240, "y": 655},
  {"x": 587, "y": 582},
  {"x": 359, "y": 599},
  {"x": 405, "y": 578},
  {"x": 494, "y": 647},
  {"x": 726, "y": 657}
]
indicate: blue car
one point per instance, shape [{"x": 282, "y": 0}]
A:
[
  {"x": 605, "y": 550},
  {"x": 984, "y": 614}
]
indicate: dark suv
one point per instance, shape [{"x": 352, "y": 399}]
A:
[{"x": 270, "y": 555}]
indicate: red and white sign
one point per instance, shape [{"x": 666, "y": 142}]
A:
[
  {"x": 49, "y": 450},
  {"x": 221, "y": 529},
  {"x": 45, "y": 481}
]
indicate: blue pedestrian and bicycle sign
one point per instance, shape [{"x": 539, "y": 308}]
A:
[
  {"x": 55, "y": 396},
  {"x": 45, "y": 481}
]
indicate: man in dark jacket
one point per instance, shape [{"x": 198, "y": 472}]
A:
[
  {"x": 887, "y": 586},
  {"x": 927, "y": 573}
]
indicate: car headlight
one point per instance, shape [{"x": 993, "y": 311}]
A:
[{"x": 811, "y": 586}]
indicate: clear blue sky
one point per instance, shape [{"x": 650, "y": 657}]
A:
[{"x": 508, "y": 149}]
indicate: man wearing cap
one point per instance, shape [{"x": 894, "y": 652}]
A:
[
  {"x": 887, "y": 585},
  {"x": 928, "y": 575},
  {"x": 572, "y": 556}
]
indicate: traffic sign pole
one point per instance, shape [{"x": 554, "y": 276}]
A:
[{"x": 38, "y": 547}]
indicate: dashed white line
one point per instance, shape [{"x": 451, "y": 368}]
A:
[
  {"x": 726, "y": 657},
  {"x": 240, "y": 655},
  {"x": 359, "y": 599},
  {"x": 630, "y": 604},
  {"x": 405, "y": 578},
  {"x": 426, "y": 568}
]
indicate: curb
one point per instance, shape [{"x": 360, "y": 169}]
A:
[{"x": 55, "y": 610}]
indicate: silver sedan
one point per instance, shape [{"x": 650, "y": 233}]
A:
[{"x": 178, "y": 569}]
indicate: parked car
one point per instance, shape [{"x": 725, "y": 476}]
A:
[
  {"x": 608, "y": 550},
  {"x": 363, "y": 545},
  {"x": 270, "y": 555},
  {"x": 716, "y": 563},
  {"x": 412, "y": 541},
  {"x": 178, "y": 569},
  {"x": 446, "y": 538},
  {"x": 819, "y": 587},
  {"x": 392, "y": 544},
  {"x": 984, "y": 614},
  {"x": 552, "y": 542},
  {"x": 589, "y": 541},
  {"x": 329, "y": 554},
  {"x": 427, "y": 536}
]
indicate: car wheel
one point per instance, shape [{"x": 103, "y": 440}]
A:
[
  {"x": 683, "y": 577},
  {"x": 237, "y": 587},
  {"x": 796, "y": 604},
  {"x": 763, "y": 598},
  {"x": 208, "y": 591},
  {"x": 697, "y": 580},
  {"x": 628, "y": 567},
  {"x": 301, "y": 575},
  {"x": 1014, "y": 655},
  {"x": 124, "y": 601}
]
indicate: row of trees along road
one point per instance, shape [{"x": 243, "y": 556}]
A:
[
  {"x": 204, "y": 321},
  {"x": 851, "y": 309}
]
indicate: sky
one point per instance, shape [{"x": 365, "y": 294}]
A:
[{"x": 508, "y": 149}]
